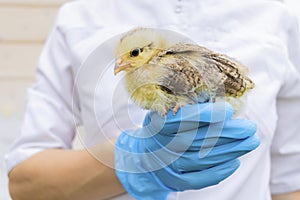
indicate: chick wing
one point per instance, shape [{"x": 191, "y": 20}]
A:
[{"x": 200, "y": 73}]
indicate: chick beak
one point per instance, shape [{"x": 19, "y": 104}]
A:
[{"x": 120, "y": 66}]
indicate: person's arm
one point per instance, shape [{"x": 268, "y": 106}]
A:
[
  {"x": 39, "y": 164},
  {"x": 288, "y": 196},
  {"x": 64, "y": 174}
]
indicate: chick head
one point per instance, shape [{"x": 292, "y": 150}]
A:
[{"x": 136, "y": 48}]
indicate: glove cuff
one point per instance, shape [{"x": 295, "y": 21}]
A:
[
  {"x": 139, "y": 184},
  {"x": 143, "y": 186}
]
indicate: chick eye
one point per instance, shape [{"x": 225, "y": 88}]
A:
[{"x": 135, "y": 52}]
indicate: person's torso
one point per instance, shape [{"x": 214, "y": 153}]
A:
[{"x": 252, "y": 32}]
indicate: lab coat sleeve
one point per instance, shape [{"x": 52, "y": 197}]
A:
[
  {"x": 285, "y": 160},
  {"x": 51, "y": 115}
]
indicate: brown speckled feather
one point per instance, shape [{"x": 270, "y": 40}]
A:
[{"x": 196, "y": 70}]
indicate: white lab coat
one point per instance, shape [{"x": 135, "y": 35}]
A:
[{"x": 262, "y": 34}]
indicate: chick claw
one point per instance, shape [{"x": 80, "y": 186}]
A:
[
  {"x": 175, "y": 109},
  {"x": 163, "y": 114}
]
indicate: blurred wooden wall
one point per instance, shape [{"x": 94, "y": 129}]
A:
[{"x": 24, "y": 26}]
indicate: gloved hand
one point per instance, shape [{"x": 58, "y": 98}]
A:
[{"x": 196, "y": 148}]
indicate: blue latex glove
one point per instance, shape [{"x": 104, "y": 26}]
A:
[{"x": 196, "y": 148}]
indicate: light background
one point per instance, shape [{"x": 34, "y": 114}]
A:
[{"x": 24, "y": 27}]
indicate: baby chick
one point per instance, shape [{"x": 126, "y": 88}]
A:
[{"x": 159, "y": 77}]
